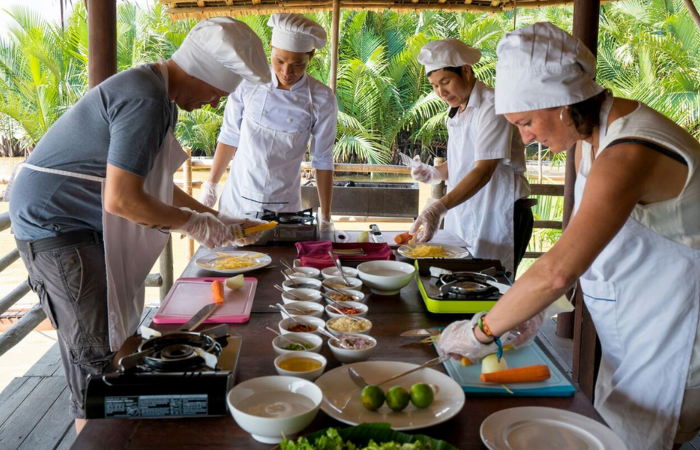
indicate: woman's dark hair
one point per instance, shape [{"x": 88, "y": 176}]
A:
[
  {"x": 585, "y": 115},
  {"x": 457, "y": 70}
]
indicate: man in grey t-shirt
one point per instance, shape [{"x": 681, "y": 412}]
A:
[{"x": 93, "y": 205}]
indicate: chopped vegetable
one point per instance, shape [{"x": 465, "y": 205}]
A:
[
  {"x": 301, "y": 328},
  {"x": 298, "y": 346},
  {"x": 217, "y": 288},
  {"x": 331, "y": 440},
  {"x": 227, "y": 262},
  {"x": 363, "y": 237},
  {"x": 466, "y": 362},
  {"x": 539, "y": 372},
  {"x": 491, "y": 364},
  {"x": 235, "y": 283},
  {"x": 428, "y": 251},
  {"x": 403, "y": 238}
]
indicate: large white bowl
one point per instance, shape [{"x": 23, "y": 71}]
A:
[
  {"x": 303, "y": 272},
  {"x": 345, "y": 355},
  {"x": 359, "y": 296},
  {"x": 312, "y": 282},
  {"x": 335, "y": 332},
  {"x": 386, "y": 277},
  {"x": 310, "y": 375},
  {"x": 333, "y": 271},
  {"x": 337, "y": 283},
  {"x": 361, "y": 308},
  {"x": 278, "y": 343},
  {"x": 314, "y": 309},
  {"x": 309, "y": 295},
  {"x": 312, "y": 321},
  {"x": 296, "y": 403}
]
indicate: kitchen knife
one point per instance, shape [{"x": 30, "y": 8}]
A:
[
  {"x": 200, "y": 317},
  {"x": 375, "y": 234}
]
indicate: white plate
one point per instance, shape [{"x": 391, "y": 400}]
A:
[
  {"x": 454, "y": 251},
  {"x": 206, "y": 261},
  {"x": 533, "y": 427},
  {"x": 341, "y": 398}
]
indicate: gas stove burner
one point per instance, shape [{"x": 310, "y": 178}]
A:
[
  {"x": 301, "y": 217},
  {"x": 466, "y": 286},
  {"x": 179, "y": 352}
]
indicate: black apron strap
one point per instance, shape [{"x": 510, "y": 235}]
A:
[{"x": 651, "y": 145}]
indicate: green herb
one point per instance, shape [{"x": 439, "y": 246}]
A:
[
  {"x": 331, "y": 440},
  {"x": 299, "y": 346}
]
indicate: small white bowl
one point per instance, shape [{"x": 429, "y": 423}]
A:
[
  {"x": 345, "y": 355},
  {"x": 361, "y": 308},
  {"x": 247, "y": 401},
  {"x": 359, "y": 296},
  {"x": 278, "y": 343},
  {"x": 310, "y": 375},
  {"x": 311, "y": 321},
  {"x": 386, "y": 277},
  {"x": 302, "y": 283},
  {"x": 309, "y": 295},
  {"x": 337, "y": 283},
  {"x": 304, "y": 309},
  {"x": 303, "y": 272},
  {"x": 330, "y": 272},
  {"x": 334, "y": 332}
]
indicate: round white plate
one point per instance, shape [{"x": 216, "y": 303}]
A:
[
  {"x": 454, "y": 251},
  {"x": 533, "y": 427},
  {"x": 341, "y": 398},
  {"x": 205, "y": 262}
]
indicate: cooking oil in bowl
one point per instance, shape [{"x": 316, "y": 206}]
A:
[{"x": 299, "y": 364}]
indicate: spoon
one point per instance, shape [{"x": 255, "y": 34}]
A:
[
  {"x": 361, "y": 382},
  {"x": 284, "y": 310},
  {"x": 340, "y": 268},
  {"x": 301, "y": 341},
  {"x": 330, "y": 336},
  {"x": 281, "y": 289},
  {"x": 338, "y": 291},
  {"x": 356, "y": 319},
  {"x": 291, "y": 280}
]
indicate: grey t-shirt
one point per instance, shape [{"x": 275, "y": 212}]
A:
[{"x": 123, "y": 122}]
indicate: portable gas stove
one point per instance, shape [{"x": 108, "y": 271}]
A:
[
  {"x": 291, "y": 226},
  {"x": 179, "y": 374},
  {"x": 464, "y": 289}
]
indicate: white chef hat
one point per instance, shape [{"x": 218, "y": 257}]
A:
[
  {"x": 437, "y": 55},
  {"x": 296, "y": 33},
  {"x": 541, "y": 66},
  {"x": 222, "y": 52}
]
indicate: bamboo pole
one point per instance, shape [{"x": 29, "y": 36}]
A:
[
  {"x": 335, "y": 32},
  {"x": 166, "y": 268},
  {"x": 188, "y": 188}
]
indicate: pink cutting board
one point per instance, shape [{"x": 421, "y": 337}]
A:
[{"x": 189, "y": 295}]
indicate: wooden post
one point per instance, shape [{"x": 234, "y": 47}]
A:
[
  {"x": 102, "y": 40},
  {"x": 166, "y": 268},
  {"x": 187, "y": 169},
  {"x": 335, "y": 32},
  {"x": 586, "y": 345}
]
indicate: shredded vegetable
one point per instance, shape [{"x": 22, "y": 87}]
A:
[
  {"x": 428, "y": 251},
  {"x": 228, "y": 262}
]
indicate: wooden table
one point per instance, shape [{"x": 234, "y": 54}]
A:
[{"x": 390, "y": 316}]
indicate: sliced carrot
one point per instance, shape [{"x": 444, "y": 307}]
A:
[
  {"x": 217, "y": 288},
  {"x": 402, "y": 238},
  {"x": 526, "y": 374}
]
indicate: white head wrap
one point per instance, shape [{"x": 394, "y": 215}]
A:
[
  {"x": 437, "y": 55},
  {"x": 541, "y": 66},
  {"x": 222, "y": 51},
  {"x": 296, "y": 33}
]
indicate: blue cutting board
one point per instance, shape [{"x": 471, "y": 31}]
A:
[{"x": 469, "y": 377}]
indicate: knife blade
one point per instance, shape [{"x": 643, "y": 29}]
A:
[
  {"x": 421, "y": 332},
  {"x": 199, "y": 317},
  {"x": 376, "y": 234}
]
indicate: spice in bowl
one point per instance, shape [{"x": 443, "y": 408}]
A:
[
  {"x": 301, "y": 346},
  {"x": 352, "y": 342},
  {"x": 301, "y": 328},
  {"x": 347, "y": 325},
  {"x": 346, "y": 310},
  {"x": 340, "y": 297}
]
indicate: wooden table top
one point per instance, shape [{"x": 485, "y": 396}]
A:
[{"x": 390, "y": 316}]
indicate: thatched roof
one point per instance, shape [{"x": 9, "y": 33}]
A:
[{"x": 202, "y": 9}]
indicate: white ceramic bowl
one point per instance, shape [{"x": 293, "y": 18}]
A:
[
  {"x": 278, "y": 343},
  {"x": 302, "y": 283},
  {"x": 311, "y": 321},
  {"x": 304, "y": 309},
  {"x": 337, "y": 283},
  {"x": 359, "y": 296},
  {"x": 310, "y": 375},
  {"x": 303, "y": 272},
  {"x": 345, "y": 355},
  {"x": 334, "y": 332},
  {"x": 247, "y": 401},
  {"x": 332, "y": 271},
  {"x": 386, "y": 277},
  {"x": 361, "y": 308},
  {"x": 308, "y": 295}
]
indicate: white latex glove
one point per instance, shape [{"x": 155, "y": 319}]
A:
[
  {"x": 245, "y": 223},
  {"x": 425, "y": 173},
  {"x": 458, "y": 341},
  {"x": 528, "y": 330},
  {"x": 210, "y": 193},
  {"x": 429, "y": 220},
  {"x": 326, "y": 225},
  {"x": 206, "y": 229}
]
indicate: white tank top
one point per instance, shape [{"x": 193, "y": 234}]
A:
[{"x": 678, "y": 218}]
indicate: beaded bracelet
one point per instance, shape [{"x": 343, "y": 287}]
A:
[{"x": 487, "y": 331}]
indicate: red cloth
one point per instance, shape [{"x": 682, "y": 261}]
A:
[{"x": 315, "y": 253}]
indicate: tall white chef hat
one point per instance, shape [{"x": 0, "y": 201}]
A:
[
  {"x": 541, "y": 66},
  {"x": 222, "y": 52},
  {"x": 296, "y": 33},
  {"x": 447, "y": 53}
]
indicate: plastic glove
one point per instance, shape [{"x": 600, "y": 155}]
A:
[
  {"x": 528, "y": 330},
  {"x": 326, "y": 225},
  {"x": 245, "y": 223},
  {"x": 206, "y": 229},
  {"x": 458, "y": 341},
  {"x": 425, "y": 173},
  {"x": 210, "y": 193},
  {"x": 429, "y": 220}
]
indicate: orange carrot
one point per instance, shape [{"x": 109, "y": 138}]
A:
[
  {"x": 402, "y": 238},
  {"x": 526, "y": 374},
  {"x": 217, "y": 288}
]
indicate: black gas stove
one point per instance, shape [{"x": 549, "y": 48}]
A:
[
  {"x": 467, "y": 286},
  {"x": 179, "y": 374},
  {"x": 291, "y": 226}
]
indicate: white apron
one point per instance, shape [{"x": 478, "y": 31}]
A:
[
  {"x": 485, "y": 221},
  {"x": 131, "y": 250},
  {"x": 642, "y": 292},
  {"x": 265, "y": 173}
]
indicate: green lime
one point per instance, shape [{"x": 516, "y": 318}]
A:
[
  {"x": 372, "y": 397},
  {"x": 397, "y": 398},
  {"x": 422, "y": 395}
]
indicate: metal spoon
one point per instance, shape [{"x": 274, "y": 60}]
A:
[
  {"x": 291, "y": 342},
  {"x": 361, "y": 382},
  {"x": 330, "y": 336},
  {"x": 281, "y": 289},
  {"x": 284, "y": 310},
  {"x": 289, "y": 278},
  {"x": 356, "y": 319},
  {"x": 338, "y": 291},
  {"x": 340, "y": 268}
]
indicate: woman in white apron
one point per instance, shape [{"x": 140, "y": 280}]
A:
[{"x": 634, "y": 240}]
